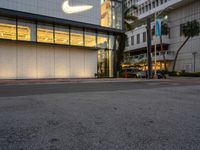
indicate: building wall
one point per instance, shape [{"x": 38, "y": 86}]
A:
[
  {"x": 149, "y": 7},
  {"x": 53, "y": 8},
  {"x": 143, "y": 43},
  {"x": 34, "y": 61},
  {"x": 179, "y": 16}
]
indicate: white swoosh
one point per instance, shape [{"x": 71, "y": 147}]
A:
[{"x": 74, "y": 9}]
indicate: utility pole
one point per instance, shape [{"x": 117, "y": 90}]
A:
[
  {"x": 149, "y": 47},
  {"x": 155, "y": 63},
  {"x": 194, "y": 57}
]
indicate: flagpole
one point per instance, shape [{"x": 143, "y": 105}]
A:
[{"x": 155, "y": 44}]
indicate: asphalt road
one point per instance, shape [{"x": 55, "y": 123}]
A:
[
  {"x": 101, "y": 116},
  {"x": 66, "y": 87}
]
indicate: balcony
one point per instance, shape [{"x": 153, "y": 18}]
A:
[
  {"x": 147, "y": 7},
  {"x": 137, "y": 59},
  {"x": 143, "y": 45}
]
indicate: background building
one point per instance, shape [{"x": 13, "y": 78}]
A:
[
  {"x": 173, "y": 13},
  {"x": 49, "y": 39}
]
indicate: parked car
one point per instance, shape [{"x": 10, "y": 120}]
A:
[
  {"x": 141, "y": 74},
  {"x": 144, "y": 74},
  {"x": 160, "y": 74},
  {"x": 130, "y": 72}
]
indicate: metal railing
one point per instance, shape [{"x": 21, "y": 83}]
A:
[{"x": 169, "y": 55}]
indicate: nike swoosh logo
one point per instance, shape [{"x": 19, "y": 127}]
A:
[{"x": 74, "y": 9}]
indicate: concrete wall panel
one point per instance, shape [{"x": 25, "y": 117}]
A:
[
  {"x": 35, "y": 61},
  {"x": 45, "y": 62},
  {"x": 90, "y": 60},
  {"x": 27, "y": 64},
  {"x": 8, "y": 60},
  {"x": 62, "y": 63},
  {"x": 77, "y": 63}
]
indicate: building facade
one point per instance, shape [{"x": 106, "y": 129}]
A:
[
  {"x": 173, "y": 13},
  {"x": 58, "y": 38}
]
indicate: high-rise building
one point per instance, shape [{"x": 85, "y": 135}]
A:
[
  {"x": 174, "y": 14},
  {"x": 58, "y": 38}
]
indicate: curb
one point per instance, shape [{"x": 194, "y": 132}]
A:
[{"x": 70, "y": 81}]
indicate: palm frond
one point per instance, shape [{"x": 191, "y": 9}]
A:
[{"x": 191, "y": 29}]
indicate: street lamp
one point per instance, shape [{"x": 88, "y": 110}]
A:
[
  {"x": 165, "y": 17},
  {"x": 194, "y": 56},
  {"x": 158, "y": 32}
]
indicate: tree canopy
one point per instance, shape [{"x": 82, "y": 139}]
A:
[{"x": 190, "y": 29}]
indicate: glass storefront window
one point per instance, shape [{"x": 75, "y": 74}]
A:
[
  {"x": 26, "y": 31},
  {"x": 106, "y": 13},
  {"x": 102, "y": 40},
  {"x": 116, "y": 15},
  {"x": 7, "y": 28},
  {"x": 103, "y": 63},
  {"x": 61, "y": 35},
  {"x": 58, "y": 34},
  {"x": 111, "y": 41},
  {"x": 90, "y": 38},
  {"x": 45, "y": 33},
  {"x": 76, "y": 36},
  {"x": 111, "y": 14}
]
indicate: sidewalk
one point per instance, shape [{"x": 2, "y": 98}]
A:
[
  {"x": 57, "y": 81},
  {"x": 90, "y": 80}
]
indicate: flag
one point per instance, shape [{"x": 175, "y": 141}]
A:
[{"x": 158, "y": 27}]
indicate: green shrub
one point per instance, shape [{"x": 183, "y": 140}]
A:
[{"x": 184, "y": 74}]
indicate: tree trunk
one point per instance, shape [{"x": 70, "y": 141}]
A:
[
  {"x": 162, "y": 50},
  {"x": 120, "y": 51},
  {"x": 178, "y": 53},
  {"x": 115, "y": 57},
  {"x": 149, "y": 48}
]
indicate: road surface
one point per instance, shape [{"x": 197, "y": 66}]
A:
[{"x": 160, "y": 115}]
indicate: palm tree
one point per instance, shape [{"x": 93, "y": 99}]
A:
[
  {"x": 164, "y": 31},
  {"x": 190, "y": 30}
]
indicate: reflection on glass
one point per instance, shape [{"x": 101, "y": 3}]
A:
[
  {"x": 45, "y": 33},
  {"x": 76, "y": 37},
  {"x": 26, "y": 31},
  {"x": 90, "y": 38},
  {"x": 61, "y": 35},
  {"x": 106, "y": 13},
  {"x": 7, "y": 29},
  {"x": 103, "y": 63},
  {"x": 111, "y": 60},
  {"x": 111, "y": 14},
  {"x": 116, "y": 15},
  {"x": 102, "y": 40},
  {"x": 111, "y": 41}
]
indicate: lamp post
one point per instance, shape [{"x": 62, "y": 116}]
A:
[
  {"x": 194, "y": 56},
  {"x": 158, "y": 33},
  {"x": 155, "y": 43}
]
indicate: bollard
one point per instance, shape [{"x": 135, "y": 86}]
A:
[{"x": 126, "y": 74}]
